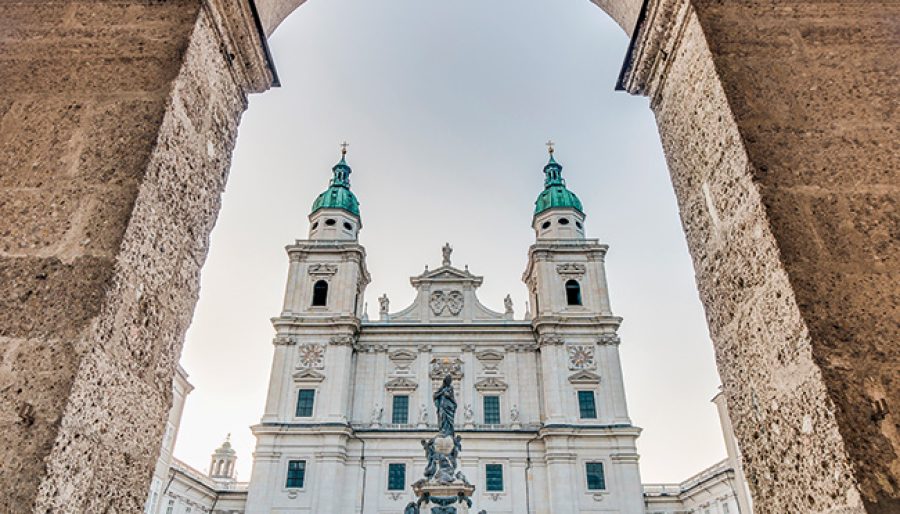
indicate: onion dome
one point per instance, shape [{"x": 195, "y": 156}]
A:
[
  {"x": 338, "y": 194},
  {"x": 555, "y": 195}
]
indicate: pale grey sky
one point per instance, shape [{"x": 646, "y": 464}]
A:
[{"x": 447, "y": 106}]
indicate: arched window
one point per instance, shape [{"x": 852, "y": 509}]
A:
[
  {"x": 320, "y": 294},
  {"x": 573, "y": 292}
]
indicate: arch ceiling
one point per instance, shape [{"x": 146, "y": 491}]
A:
[{"x": 273, "y": 12}]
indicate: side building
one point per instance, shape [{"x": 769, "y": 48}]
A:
[{"x": 718, "y": 489}]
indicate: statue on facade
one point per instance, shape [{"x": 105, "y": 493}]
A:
[
  {"x": 446, "y": 251},
  {"x": 443, "y": 489},
  {"x": 377, "y": 411},
  {"x": 508, "y": 304},
  {"x": 384, "y": 304},
  {"x": 514, "y": 414},
  {"x": 445, "y": 406},
  {"x": 423, "y": 414},
  {"x": 468, "y": 413}
]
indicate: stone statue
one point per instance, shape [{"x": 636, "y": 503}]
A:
[
  {"x": 384, "y": 304},
  {"x": 468, "y": 413},
  {"x": 376, "y": 414},
  {"x": 423, "y": 414},
  {"x": 446, "y": 250},
  {"x": 507, "y": 303},
  {"x": 514, "y": 414},
  {"x": 431, "y": 466},
  {"x": 445, "y": 406}
]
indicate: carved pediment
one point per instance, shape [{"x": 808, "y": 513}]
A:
[
  {"x": 322, "y": 269},
  {"x": 401, "y": 384},
  {"x": 571, "y": 268},
  {"x": 584, "y": 377},
  {"x": 403, "y": 356},
  {"x": 489, "y": 356},
  {"x": 308, "y": 375},
  {"x": 490, "y": 384}
]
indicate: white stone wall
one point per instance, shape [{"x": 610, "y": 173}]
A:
[{"x": 536, "y": 367}]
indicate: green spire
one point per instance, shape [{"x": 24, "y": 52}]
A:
[
  {"x": 338, "y": 194},
  {"x": 555, "y": 195}
]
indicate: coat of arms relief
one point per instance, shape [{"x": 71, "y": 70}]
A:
[
  {"x": 581, "y": 357},
  {"x": 311, "y": 356},
  {"x": 442, "y": 302}
]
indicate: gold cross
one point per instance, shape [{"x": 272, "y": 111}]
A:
[
  {"x": 344, "y": 146},
  {"x": 550, "y": 144}
]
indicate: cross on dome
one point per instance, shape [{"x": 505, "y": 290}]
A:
[
  {"x": 550, "y": 144},
  {"x": 344, "y": 146}
]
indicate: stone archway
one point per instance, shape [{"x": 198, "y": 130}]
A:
[{"x": 117, "y": 121}]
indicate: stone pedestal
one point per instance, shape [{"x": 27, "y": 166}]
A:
[{"x": 444, "y": 499}]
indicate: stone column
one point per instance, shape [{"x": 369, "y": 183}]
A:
[
  {"x": 117, "y": 121},
  {"x": 779, "y": 124}
]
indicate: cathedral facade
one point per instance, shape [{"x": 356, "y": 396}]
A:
[
  {"x": 542, "y": 404},
  {"x": 541, "y": 401}
]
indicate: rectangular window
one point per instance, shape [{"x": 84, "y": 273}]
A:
[
  {"x": 396, "y": 477},
  {"x": 296, "y": 474},
  {"x": 305, "y": 400},
  {"x": 493, "y": 477},
  {"x": 400, "y": 410},
  {"x": 586, "y": 405},
  {"x": 491, "y": 410},
  {"x": 596, "y": 480}
]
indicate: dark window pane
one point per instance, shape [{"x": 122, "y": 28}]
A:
[
  {"x": 493, "y": 474},
  {"x": 396, "y": 477},
  {"x": 586, "y": 405},
  {"x": 596, "y": 480},
  {"x": 305, "y": 400},
  {"x": 296, "y": 473},
  {"x": 573, "y": 292},
  {"x": 400, "y": 410},
  {"x": 492, "y": 410},
  {"x": 320, "y": 294}
]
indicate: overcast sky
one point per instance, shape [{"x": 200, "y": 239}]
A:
[{"x": 447, "y": 106}]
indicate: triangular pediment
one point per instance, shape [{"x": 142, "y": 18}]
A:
[
  {"x": 308, "y": 375},
  {"x": 490, "y": 384},
  {"x": 446, "y": 272},
  {"x": 489, "y": 355},
  {"x": 401, "y": 384},
  {"x": 584, "y": 377},
  {"x": 403, "y": 355}
]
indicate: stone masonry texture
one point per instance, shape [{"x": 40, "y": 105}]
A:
[
  {"x": 117, "y": 121},
  {"x": 778, "y": 120}
]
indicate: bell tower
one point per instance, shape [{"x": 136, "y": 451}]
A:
[{"x": 580, "y": 374}]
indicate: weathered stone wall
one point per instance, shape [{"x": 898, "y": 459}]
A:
[
  {"x": 778, "y": 120},
  {"x": 118, "y": 120}
]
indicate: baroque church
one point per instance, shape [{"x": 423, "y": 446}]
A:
[{"x": 542, "y": 408}]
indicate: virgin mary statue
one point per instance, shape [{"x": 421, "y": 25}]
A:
[{"x": 445, "y": 405}]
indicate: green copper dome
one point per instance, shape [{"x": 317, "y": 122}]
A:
[
  {"x": 555, "y": 195},
  {"x": 338, "y": 194}
]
